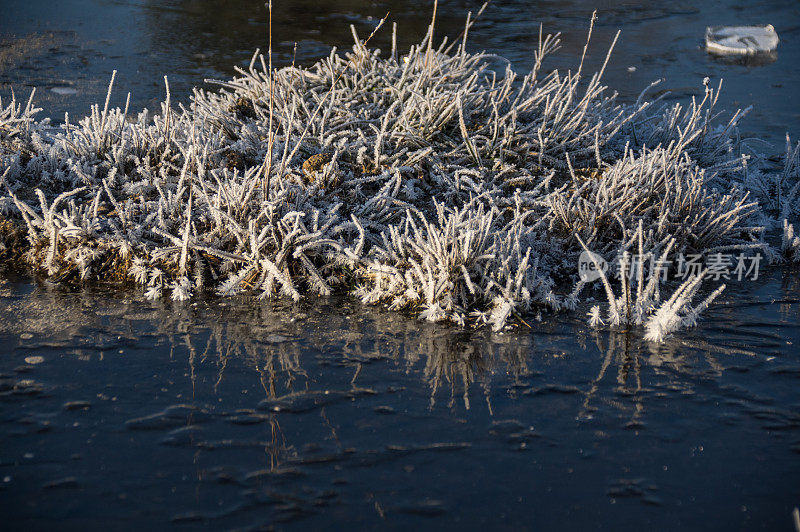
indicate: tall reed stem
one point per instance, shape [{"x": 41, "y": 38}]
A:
[{"x": 268, "y": 165}]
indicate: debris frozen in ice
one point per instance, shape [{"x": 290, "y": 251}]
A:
[{"x": 741, "y": 40}]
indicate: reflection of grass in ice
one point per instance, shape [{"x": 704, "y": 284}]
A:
[
  {"x": 273, "y": 350},
  {"x": 428, "y": 182}
]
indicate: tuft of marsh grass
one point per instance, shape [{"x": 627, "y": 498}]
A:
[{"x": 428, "y": 182}]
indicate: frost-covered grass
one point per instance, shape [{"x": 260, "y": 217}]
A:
[{"x": 426, "y": 181}]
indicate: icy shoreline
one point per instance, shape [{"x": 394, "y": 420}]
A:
[{"x": 426, "y": 182}]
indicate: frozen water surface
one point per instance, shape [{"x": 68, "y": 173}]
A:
[
  {"x": 138, "y": 413},
  {"x": 118, "y": 411}
]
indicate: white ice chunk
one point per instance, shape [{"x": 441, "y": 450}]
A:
[
  {"x": 741, "y": 40},
  {"x": 64, "y": 90}
]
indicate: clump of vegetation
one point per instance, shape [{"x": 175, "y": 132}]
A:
[{"x": 426, "y": 181}]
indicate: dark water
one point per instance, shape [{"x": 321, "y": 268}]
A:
[{"x": 117, "y": 412}]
